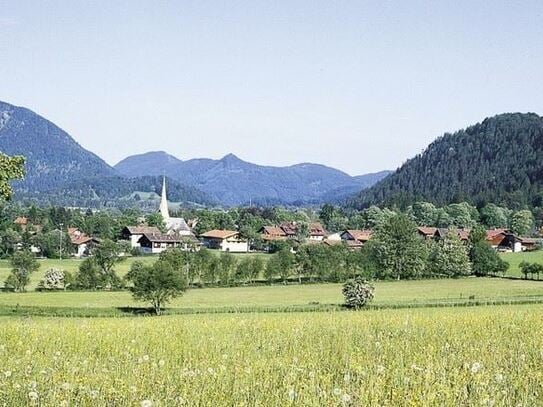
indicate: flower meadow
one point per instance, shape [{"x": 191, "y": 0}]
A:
[{"x": 480, "y": 356}]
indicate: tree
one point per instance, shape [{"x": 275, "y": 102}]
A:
[
  {"x": 357, "y": 292},
  {"x": 88, "y": 276},
  {"x": 157, "y": 284},
  {"x": 449, "y": 257},
  {"x": 424, "y": 213},
  {"x": 281, "y": 263},
  {"x": 156, "y": 219},
  {"x": 494, "y": 216},
  {"x": 396, "y": 250},
  {"x": 10, "y": 168},
  {"x": 23, "y": 264},
  {"x": 522, "y": 222},
  {"x": 55, "y": 279},
  {"x": 106, "y": 256},
  {"x": 227, "y": 265}
]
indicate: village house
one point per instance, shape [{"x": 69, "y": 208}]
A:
[
  {"x": 225, "y": 240},
  {"x": 134, "y": 233},
  {"x": 81, "y": 242},
  {"x": 355, "y": 238},
  {"x": 173, "y": 225},
  {"x": 156, "y": 243},
  {"x": 289, "y": 230},
  {"x": 504, "y": 241}
]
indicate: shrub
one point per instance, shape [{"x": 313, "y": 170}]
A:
[
  {"x": 357, "y": 292},
  {"x": 55, "y": 279}
]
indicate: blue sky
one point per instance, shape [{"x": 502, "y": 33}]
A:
[{"x": 358, "y": 85}]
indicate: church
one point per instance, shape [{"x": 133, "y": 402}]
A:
[{"x": 173, "y": 225}]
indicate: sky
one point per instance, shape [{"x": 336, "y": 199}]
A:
[{"x": 357, "y": 85}]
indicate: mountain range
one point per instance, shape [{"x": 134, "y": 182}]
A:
[
  {"x": 499, "y": 160},
  {"x": 60, "y": 171},
  {"x": 233, "y": 181}
]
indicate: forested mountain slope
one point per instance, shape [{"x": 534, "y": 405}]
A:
[{"x": 499, "y": 160}]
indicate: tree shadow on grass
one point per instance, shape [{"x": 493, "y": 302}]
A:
[{"x": 137, "y": 310}]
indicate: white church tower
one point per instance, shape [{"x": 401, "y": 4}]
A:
[
  {"x": 164, "y": 202},
  {"x": 173, "y": 225}
]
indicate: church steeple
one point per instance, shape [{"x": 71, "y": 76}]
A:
[{"x": 164, "y": 201}]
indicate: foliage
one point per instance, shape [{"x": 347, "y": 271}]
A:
[
  {"x": 106, "y": 255},
  {"x": 532, "y": 269},
  {"x": 396, "y": 250},
  {"x": 522, "y": 222},
  {"x": 23, "y": 264},
  {"x": 55, "y": 279},
  {"x": 10, "y": 168},
  {"x": 498, "y": 160},
  {"x": 357, "y": 292},
  {"x": 88, "y": 276},
  {"x": 449, "y": 257},
  {"x": 280, "y": 264},
  {"x": 157, "y": 284}
]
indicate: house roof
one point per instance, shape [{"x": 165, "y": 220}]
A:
[
  {"x": 289, "y": 228},
  {"x": 427, "y": 230},
  {"x": 177, "y": 224},
  {"x": 529, "y": 240},
  {"x": 273, "y": 231},
  {"x": 21, "y": 220},
  {"x": 316, "y": 229},
  {"x": 140, "y": 230},
  {"x": 164, "y": 238},
  {"x": 361, "y": 235},
  {"x": 219, "y": 234}
]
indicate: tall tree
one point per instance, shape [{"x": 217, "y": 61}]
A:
[
  {"x": 23, "y": 264},
  {"x": 396, "y": 249},
  {"x": 449, "y": 257},
  {"x": 10, "y": 168}
]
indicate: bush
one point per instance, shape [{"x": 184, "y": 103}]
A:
[
  {"x": 357, "y": 292},
  {"x": 55, "y": 279}
]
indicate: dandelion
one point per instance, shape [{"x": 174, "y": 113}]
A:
[
  {"x": 33, "y": 395},
  {"x": 499, "y": 377},
  {"x": 346, "y": 398},
  {"x": 380, "y": 369},
  {"x": 7, "y": 373},
  {"x": 146, "y": 403},
  {"x": 161, "y": 362},
  {"x": 347, "y": 378},
  {"x": 292, "y": 395},
  {"x": 337, "y": 391},
  {"x": 145, "y": 358},
  {"x": 94, "y": 394},
  {"x": 476, "y": 367}
]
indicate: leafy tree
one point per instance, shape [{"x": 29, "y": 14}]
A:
[
  {"x": 243, "y": 270},
  {"x": 494, "y": 216},
  {"x": 156, "y": 219},
  {"x": 281, "y": 264},
  {"x": 88, "y": 276},
  {"x": 227, "y": 265},
  {"x": 396, "y": 250},
  {"x": 449, "y": 257},
  {"x": 8, "y": 241},
  {"x": 23, "y": 264},
  {"x": 50, "y": 244},
  {"x": 424, "y": 213},
  {"x": 484, "y": 259},
  {"x": 10, "y": 168},
  {"x": 106, "y": 255},
  {"x": 357, "y": 292},
  {"x": 157, "y": 284},
  {"x": 522, "y": 222},
  {"x": 55, "y": 279}
]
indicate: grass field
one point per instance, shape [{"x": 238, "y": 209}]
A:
[
  {"x": 386, "y": 292},
  {"x": 480, "y": 356},
  {"x": 514, "y": 259}
]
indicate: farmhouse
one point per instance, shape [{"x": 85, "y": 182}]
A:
[
  {"x": 504, "y": 241},
  {"x": 427, "y": 232},
  {"x": 356, "y": 238},
  {"x": 316, "y": 232},
  {"x": 81, "y": 242},
  {"x": 134, "y": 233},
  {"x": 154, "y": 243},
  {"x": 289, "y": 230},
  {"x": 272, "y": 233},
  {"x": 225, "y": 240}
]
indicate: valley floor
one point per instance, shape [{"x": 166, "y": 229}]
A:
[{"x": 480, "y": 356}]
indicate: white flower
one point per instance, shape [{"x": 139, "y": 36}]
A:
[
  {"x": 347, "y": 378},
  {"x": 499, "y": 377},
  {"x": 337, "y": 391},
  {"x": 146, "y": 403},
  {"x": 210, "y": 370},
  {"x": 380, "y": 369},
  {"x": 65, "y": 386},
  {"x": 145, "y": 358},
  {"x": 476, "y": 367},
  {"x": 7, "y": 373},
  {"x": 33, "y": 395},
  {"x": 346, "y": 398},
  {"x": 161, "y": 362},
  {"x": 292, "y": 395},
  {"x": 94, "y": 394}
]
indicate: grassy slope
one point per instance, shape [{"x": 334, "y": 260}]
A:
[
  {"x": 390, "y": 292},
  {"x": 514, "y": 259}
]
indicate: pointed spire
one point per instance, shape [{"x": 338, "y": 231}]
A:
[{"x": 164, "y": 201}]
